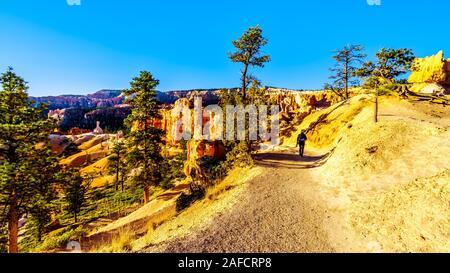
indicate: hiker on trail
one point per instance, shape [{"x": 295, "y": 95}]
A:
[{"x": 301, "y": 141}]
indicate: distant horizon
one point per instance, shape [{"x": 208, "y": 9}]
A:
[
  {"x": 59, "y": 48},
  {"x": 166, "y": 91}
]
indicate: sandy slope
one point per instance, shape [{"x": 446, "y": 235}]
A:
[
  {"x": 279, "y": 212},
  {"x": 389, "y": 181}
]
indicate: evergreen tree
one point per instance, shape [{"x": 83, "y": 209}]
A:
[
  {"x": 116, "y": 162},
  {"x": 248, "y": 52},
  {"x": 344, "y": 69},
  {"x": 22, "y": 128},
  {"x": 239, "y": 152},
  {"x": 144, "y": 140},
  {"x": 45, "y": 172},
  {"x": 75, "y": 190},
  {"x": 390, "y": 64}
]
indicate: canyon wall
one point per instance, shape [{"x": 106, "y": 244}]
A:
[
  {"x": 294, "y": 105},
  {"x": 431, "y": 74}
]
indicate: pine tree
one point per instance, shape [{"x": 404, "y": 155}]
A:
[
  {"x": 248, "y": 53},
  {"x": 22, "y": 128},
  {"x": 144, "y": 140},
  {"x": 344, "y": 69},
  {"x": 75, "y": 190},
  {"x": 46, "y": 173},
  {"x": 390, "y": 64},
  {"x": 116, "y": 162}
]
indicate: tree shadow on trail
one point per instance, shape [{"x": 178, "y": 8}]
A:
[{"x": 290, "y": 160}]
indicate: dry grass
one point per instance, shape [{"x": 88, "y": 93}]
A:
[
  {"x": 102, "y": 181},
  {"x": 157, "y": 219},
  {"x": 100, "y": 167},
  {"x": 100, "y": 173},
  {"x": 120, "y": 243},
  {"x": 156, "y": 209}
]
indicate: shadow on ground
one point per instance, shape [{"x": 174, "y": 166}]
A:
[{"x": 290, "y": 160}]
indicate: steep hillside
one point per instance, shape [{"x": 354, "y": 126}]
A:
[{"x": 389, "y": 180}]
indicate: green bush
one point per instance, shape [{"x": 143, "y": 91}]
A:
[
  {"x": 239, "y": 156},
  {"x": 171, "y": 170}
]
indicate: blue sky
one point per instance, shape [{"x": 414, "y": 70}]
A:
[{"x": 63, "y": 49}]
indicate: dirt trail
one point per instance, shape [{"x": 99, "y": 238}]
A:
[{"x": 280, "y": 212}]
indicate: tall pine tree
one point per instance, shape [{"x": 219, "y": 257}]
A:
[
  {"x": 116, "y": 162},
  {"x": 22, "y": 130},
  {"x": 389, "y": 66},
  {"x": 144, "y": 141},
  {"x": 45, "y": 172},
  {"x": 248, "y": 52},
  {"x": 348, "y": 60},
  {"x": 75, "y": 189}
]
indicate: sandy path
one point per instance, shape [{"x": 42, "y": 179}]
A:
[{"x": 280, "y": 212}]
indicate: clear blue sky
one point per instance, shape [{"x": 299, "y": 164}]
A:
[{"x": 61, "y": 49}]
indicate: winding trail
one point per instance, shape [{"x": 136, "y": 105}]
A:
[{"x": 280, "y": 212}]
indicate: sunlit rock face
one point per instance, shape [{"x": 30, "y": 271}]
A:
[
  {"x": 315, "y": 100},
  {"x": 447, "y": 71},
  {"x": 293, "y": 104},
  {"x": 431, "y": 74},
  {"x": 98, "y": 130},
  {"x": 57, "y": 114},
  {"x": 199, "y": 150},
  {"x": 430, "y": 69}
]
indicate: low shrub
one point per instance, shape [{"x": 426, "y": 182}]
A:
[{"x": 185, "y": 200}]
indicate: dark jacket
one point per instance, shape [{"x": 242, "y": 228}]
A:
[{"x": 301, "y": 139}]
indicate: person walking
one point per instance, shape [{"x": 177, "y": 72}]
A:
[{"x": 301, "y": 142}]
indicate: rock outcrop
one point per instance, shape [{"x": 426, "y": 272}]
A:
[
  {"x": 195, "y": 167},
  {"x": 447, "y": 70},
  {"x": 111, "y": 118},
  {"x": 431, "y": 75},
  {"x": 98, "y": 130}
]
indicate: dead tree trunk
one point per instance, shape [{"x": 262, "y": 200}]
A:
[{"x": 376, "y": 108}]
